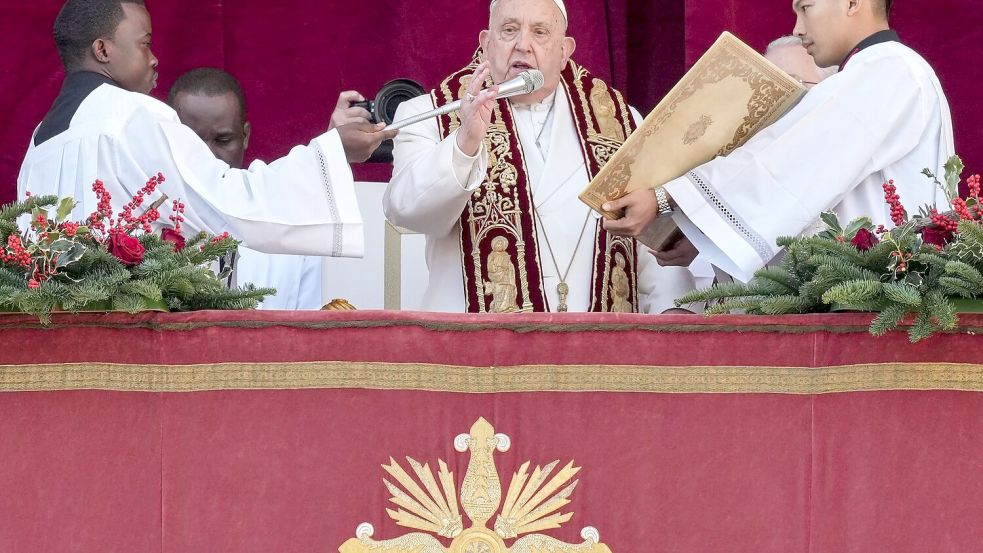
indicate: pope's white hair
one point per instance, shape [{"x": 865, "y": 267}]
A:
[
  {"x": 791, "y": 40},
  {"x": 491, "y": 8}
]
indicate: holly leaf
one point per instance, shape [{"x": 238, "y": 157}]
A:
[
  {"x": 73, "y": 254},
  {"x": 855, "y": 225},
  {"x": 953, "y": 170},
  {"x": 61, "y": 246},
  {"x": 831, "y": 221},
  {"x": 65, "y": 208}
]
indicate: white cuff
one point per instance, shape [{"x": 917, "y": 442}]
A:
[
  {"x": 704, "y": 227},
  {"x": 469, "y": 171},
  {"x": 349, "y": 239}
]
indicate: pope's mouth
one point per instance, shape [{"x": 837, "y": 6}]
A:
[{"x": 520, "y": 66}]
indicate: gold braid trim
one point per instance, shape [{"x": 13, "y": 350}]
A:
[{"x": 527, "y": 378}]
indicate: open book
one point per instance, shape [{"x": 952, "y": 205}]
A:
[{"x": 726, "y": 98}]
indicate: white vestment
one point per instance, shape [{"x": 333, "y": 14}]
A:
[
  {"x": 433, "y": 181},
  {"x": 297, "y": 278},
  {"x": 883, "y": 117},
  {"x": 303, "y": 203}
]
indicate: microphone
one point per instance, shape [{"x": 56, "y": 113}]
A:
[{"x": 523, "y": 83}]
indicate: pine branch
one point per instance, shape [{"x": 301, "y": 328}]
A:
[
  {"x": 12, "y": 211},
  {"x": 903, "y": 293},
  {"x": 784, "y": 305},
  {"x": 955, "y": 286},
  {"x": 965, "y": 272},
  {"x": 888, "y": 319},
  {"x": 854, "y": 293}
]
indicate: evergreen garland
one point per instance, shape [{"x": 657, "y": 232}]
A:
[
  {"x": 911, "y": 271},
  {"x": 60, "y": 265}
]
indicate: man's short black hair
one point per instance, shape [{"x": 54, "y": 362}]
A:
[
  {"x": 81, "y": 22},
  {"x": 210, "y": 82}
]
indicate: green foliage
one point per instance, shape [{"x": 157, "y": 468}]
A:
[
  {"x": 900, "y": 278},
  {"x": 88, "y": 277}
]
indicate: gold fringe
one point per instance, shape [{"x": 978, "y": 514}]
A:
[{"x": 527, "y": 378}]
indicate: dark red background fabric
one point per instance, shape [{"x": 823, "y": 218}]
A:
[
  {"x": 297, "y": 470},
  {"x": 294, "y": 56}
]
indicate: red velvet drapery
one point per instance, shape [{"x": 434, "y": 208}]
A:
[
  {"x": 265, "y": 431},
  {"x": 294, "y": 56}
]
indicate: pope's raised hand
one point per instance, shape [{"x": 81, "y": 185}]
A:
[{"x": 476, "y": 111}]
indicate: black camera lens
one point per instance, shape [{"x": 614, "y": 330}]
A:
[
  {"x": 391, "y": 95},
  {"x": 383, "y": 109}
]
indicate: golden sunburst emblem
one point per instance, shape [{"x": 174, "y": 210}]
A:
[{"x": 429, "y": 503}]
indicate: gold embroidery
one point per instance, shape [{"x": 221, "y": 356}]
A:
[
  {"x": 604, "y": 110},
  {"x": 620, "y": 286},
  {"x": 532, "y": 504},
  {"x": 697, "y": 130},
  {"x": 460, "y": 379},
  {"x": 501, "y": 275},
  {"x": 490, "y": 210}
]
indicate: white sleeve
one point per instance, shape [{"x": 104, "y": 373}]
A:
[
  {"x": 659, "y": 287},
  {"x": 303, "y": 203},
  {"x": 432, "y": 179},
  {"x": 850, "y": 126}
]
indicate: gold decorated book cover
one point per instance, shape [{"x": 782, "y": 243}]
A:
[{"x": 726, "y": 98}]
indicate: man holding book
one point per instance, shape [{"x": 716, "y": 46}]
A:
[{"x": 883, "y": 117}]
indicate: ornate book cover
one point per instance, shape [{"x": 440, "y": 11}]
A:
[{"x": 726, "y": 98}]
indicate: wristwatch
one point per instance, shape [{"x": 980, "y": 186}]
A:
[{"x": 665, "y": 210}]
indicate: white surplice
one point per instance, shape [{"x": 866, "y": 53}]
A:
[
  {"x": 297, "y": 278},
  {"x": 303, "y": 203},
  {"x": 884, "y": 117},
  {"x": 433, "y": 181}
]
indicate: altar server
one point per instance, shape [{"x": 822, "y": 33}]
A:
[
  {"x": 883, "y": 117},
  {"x": 212, "y": 103},
  {"x": 103, "y": 125},
  {"x": 494, "y": 188}
]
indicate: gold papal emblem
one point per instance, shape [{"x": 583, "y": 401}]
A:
[{"x": 532, "y": 504}]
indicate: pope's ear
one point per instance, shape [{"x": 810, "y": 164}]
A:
[
  {"x": 483, "y": 40},
  {"x": 247, "y": 130},
  {"x": 569, "y": 45}
]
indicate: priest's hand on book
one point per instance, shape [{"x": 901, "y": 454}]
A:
[
  {"x": 476, "y": 110},
  {"x": 361, "y": 139},
  {"x": 641, "y": 207}
]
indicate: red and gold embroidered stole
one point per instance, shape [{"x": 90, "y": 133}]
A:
[{"x": 499, "y": 245}]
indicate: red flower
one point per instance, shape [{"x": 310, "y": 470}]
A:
[
  {"x": 125, "y": 248},
  {"x": 936, "y": 236},
  {"x": 864, "y": 240},
  {"x": 173, "y": 236}
]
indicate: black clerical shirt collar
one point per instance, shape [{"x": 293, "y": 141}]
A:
[
  {"x": 74, "y": 91},
  {"x": 887, "y": 35}
]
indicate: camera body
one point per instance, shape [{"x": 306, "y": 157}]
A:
[
  {"x": 369, "y": 106},
  {"x": 393, "y": 93},
  {"x": 383, "y": 110}
]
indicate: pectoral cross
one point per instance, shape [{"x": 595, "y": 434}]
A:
[{"x": 563, "y": 291}]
